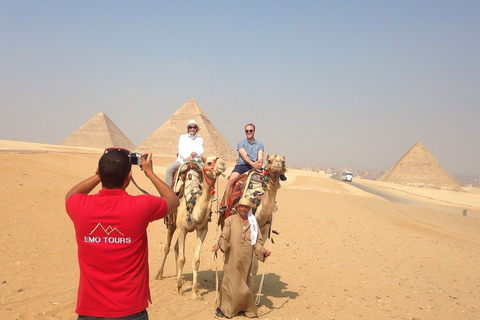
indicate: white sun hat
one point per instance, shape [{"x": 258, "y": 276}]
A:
[{"x": 193, "y": 122}]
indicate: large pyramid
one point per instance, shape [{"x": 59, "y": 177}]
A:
[
  {"x": 419, "y": 168},
  {"x": 98, "y": 132},
  {"x": 164, "y": 140}
]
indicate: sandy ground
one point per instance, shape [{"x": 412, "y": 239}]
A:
[{"x": 341, "y": 253}]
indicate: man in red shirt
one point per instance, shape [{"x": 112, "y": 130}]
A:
[{"x": 110, "y": 229}]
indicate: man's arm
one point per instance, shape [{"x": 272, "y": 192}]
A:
[
  {"x": 86, "y": 186},
  {"x": 255, "y": 164},
  {"x": 259, "y": 161},
  {"x": 165, "y": 192},
  {"x": 245, "y": 157},
  {"x": 183, "y": 148},
  {"x": 199, "y": 152}
]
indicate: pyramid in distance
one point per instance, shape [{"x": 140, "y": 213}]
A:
[
  {"x": 164, "y": 140},
  {"x": 419, "y": 168},
  {"x": 98, "y": 132}
]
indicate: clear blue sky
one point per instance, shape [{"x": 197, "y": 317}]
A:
[{"x": 335, "y": 83}]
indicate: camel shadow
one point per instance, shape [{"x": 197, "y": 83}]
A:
[{"x": 273, "y": 287}]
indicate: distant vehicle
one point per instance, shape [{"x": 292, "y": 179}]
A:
[{"x": 347, "y": 176}]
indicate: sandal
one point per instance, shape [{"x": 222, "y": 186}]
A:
[{"x": 219, "y": 313}]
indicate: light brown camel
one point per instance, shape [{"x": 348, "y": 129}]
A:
[
  {"x": 196, "y": 220},
  {"x": 273, "y": 169}
]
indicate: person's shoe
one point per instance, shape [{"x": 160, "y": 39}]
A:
[
  {"x": 214, "y": 198},
  {"x": 282, "y": 177},
  {"x": 219, "y": 313}
]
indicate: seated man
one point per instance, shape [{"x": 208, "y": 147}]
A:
[{"x": 250, "y": 153}]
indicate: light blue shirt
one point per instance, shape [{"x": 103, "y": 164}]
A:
[{"x": 251, "y": 149}]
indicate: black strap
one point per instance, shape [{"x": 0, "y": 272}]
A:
[{"x": 136, "y": 185}]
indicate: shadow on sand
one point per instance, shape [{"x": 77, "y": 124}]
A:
[{"x": 273, "y": 287}]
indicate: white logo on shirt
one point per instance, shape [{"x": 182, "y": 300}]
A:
[{"x": 113, "y": 235}]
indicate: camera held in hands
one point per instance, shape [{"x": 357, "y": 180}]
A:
[{"x": 135, "y": 158}]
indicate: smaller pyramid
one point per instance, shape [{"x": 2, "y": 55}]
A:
[
  {"x": 98, "y": 132},
  {"x": 419, "y": 168},
  {"x": 164, "y": 140}
]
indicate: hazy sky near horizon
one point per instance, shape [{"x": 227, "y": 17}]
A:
[{"x": 334, "y": 83}]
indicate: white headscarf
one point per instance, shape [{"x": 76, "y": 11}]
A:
[{"x": 253, "y": 227}]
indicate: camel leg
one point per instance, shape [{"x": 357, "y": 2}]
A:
[
  {"x": 175, "y": 250},
  {"x": 201, "y": 234},
  {"x": 180, "y": 253},
  {"x": 170, "y": 231}
]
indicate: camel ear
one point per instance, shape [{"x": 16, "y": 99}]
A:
[
  {"x": 283, "y": 158},
  {"x": 202, "y": 159},
  {"x": 266, "y": 156}
]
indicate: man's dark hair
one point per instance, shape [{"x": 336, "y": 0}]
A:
[{"x": 113, "y": 168}]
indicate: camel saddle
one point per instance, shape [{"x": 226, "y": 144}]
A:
[
  {"x": 187, "y": 183},
  {"x": 250, "y": 185}
]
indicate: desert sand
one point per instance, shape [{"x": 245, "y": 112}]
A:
[{"x": 341, "y": 253}]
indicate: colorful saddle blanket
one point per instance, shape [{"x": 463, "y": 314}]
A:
[
  {"x": 249, "y": 185},
  {"x": 187, "y": 184}
]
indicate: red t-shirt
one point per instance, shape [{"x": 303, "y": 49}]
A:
[{"x": 111, "y": 235}]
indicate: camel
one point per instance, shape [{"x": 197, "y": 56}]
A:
[
  {"x": 273, "y": 169},
  {"x": 264, "y": 211},
  {"x": 191, "y": 217}
]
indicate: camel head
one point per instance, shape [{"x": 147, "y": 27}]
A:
[
  {"x": 215, "y": 166},
  {"x": 275, "y": 164},
  {"x": 275, "y": 167}
]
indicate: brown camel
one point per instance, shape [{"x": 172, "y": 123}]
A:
[{"x": 191, "y": 216}]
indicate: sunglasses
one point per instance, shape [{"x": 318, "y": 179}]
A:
[
  {"x": 192, "y": 128},
  {"x": 107, "y": 150},
  {"x": 248, "y": 131}
]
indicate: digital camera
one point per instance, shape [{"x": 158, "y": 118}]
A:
[{"x": 136, "y": 158}]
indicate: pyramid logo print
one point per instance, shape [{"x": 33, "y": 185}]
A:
[{"x": 109, "y": 231}]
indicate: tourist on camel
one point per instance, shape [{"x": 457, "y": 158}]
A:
[
  {"x": 250, "y": 152},
  {"x": 190, "y": 147}
]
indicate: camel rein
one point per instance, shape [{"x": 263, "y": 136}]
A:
[{"x": 211, "y": 183}]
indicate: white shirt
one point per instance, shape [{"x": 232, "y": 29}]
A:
[
  {"x": 188, "y": 144},
  {"x": 253, "y": 227}
]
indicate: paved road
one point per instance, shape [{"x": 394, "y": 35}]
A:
[
  {"x": 383, "y": 194},
  {"x": 399, "y": 199}
]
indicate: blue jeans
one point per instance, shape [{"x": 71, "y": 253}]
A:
[{"x": 143, "y": 315}]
